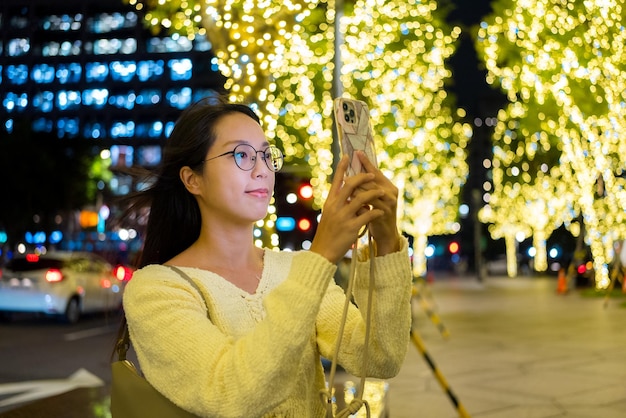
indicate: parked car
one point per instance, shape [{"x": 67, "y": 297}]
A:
[{"x": 64, "y": 284}]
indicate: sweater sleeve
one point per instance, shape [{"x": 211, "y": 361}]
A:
[
  {"x": 391, "y": 316},
  {"x": 190, "y": 361}
]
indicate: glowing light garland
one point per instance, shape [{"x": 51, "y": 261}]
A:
[
  {"x": 530, "y": 196},
  {"x": 566, "y": 61},
  {"x": 280, "y": 56},
  {"x": 394, "y": 55}
]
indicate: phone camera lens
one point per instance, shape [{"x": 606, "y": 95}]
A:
[
  {"x": 345, "y": 106},
  {"x": 351, "y": 113},
  {"x": 346, "y": 117}
]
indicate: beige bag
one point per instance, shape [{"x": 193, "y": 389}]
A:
[{"x": 131, "y": 395}]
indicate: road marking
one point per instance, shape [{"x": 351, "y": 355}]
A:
[
  {"x": 91, "y": 332},
  {"x": 39, "y": 389}
]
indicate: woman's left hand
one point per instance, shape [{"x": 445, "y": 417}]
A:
[{"x": 383, "y": 229}]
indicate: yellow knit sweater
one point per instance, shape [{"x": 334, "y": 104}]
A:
[{"x": 259, "y": 354}]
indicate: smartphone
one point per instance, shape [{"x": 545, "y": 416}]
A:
[{"x": 352, "y": 119}]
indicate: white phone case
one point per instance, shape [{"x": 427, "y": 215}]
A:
[{"x": 354, "y": 131}]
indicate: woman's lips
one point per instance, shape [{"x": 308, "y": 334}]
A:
[{"x": 258, "y": 192}]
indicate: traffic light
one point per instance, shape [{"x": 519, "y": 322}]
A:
[
  {"x": 296, "y": 220},
  {"x": 305, "y": 191}
]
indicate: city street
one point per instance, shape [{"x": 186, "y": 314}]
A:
[{"x": 516, "y": 348}]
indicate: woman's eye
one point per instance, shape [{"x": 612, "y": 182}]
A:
[{"x": 241, "y": 155}]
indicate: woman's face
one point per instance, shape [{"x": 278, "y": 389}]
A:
[{"x": 227, "y": 191}]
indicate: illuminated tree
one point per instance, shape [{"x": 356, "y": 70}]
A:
[
  {"x": 565, "y": 62},
  {"x": 282, "y": 60},
  {"x": 245, "y": 36},
  {"x": 530, "y": 195},
  {"x": 394, "y": 59}
]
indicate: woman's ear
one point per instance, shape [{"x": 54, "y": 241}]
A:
[{"x": 190, "y": 180}]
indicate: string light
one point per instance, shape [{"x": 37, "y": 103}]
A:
[
  {"x": 394, "y": 59},
  {"x": 279, "y": 55},
  {"x": 562, "y": 65}
]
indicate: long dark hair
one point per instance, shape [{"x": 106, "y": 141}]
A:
[{"x": 174, "y": 218}]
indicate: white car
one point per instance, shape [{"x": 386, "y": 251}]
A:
[{"x": 65, "y": 284}]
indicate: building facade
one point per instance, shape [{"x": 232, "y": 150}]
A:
[{"x": 92, "y": 71}]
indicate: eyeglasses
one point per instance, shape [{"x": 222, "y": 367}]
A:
[{"x": 245, "y": 157}]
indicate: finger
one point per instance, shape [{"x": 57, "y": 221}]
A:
[
  {"x": 340, "y": 173},
  {"x": 353, "y": 183},
  {"x": 367, "y": 217},
  {"x": 364, "y": 199},
  {"x": 367, "y": 164}
]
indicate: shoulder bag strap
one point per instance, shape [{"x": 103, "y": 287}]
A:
[
  {"x": 123, "y": 342},
  {"x": 193, "y": 283}
]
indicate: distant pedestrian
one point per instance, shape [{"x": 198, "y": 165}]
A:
[{"x": 271, "y": 315}]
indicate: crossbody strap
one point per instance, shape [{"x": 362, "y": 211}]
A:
[{"x": 123, "y": 342}]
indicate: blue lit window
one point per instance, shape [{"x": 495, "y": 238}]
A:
[
  {"x": 179, "y": 98},
  {"x": 69, "y": 73},
  {"x": 129, "y": 46},
  {"x": 63, "y": 49},
  {"x": 180, "y": 69},
  {"x": 123, "y": 100},
  {"x": 201, "y": 43},
  {"x": 17, "y": 74},
  {"x": 149, "y": 97},
  {"x": 150, "y": 129},
  {"x": 215, "y": 66},
  {"x": 8, "y": 125},
  {"x": 50, "y": 49},
  {"x": 149, "y": 155},
  {"x": 94, "y": 130},
  {"x": 203, "y": 93},
  {"x": 43, "y": 125},
  {"x": 114, "y": 46},
  {"x": 68, "y": 99},
  {"x": 156, "y": 130},
  {"x": 68, "y": 48},
  {"x": 122, "y": 155},
  {"x": 175, "y": 43},
  {"x": 96, "y": 71},
  {"x": 18, "y": 47},
  {"x": 150, "y": 70},
  {"x": 67, "y": 127},
  {"x": 42, "y": 73},
  {"x": 95, "y": 97},
  {"x": 63, "y": 23},
  {"x": 105, "y": 22},
  {"x": 121, "y": 185},
  {"x": 106, "y": 46},
  {"x": 15, "y": 101},
  {"x": 123, "y": 70},
  {"x": 169, "y": 127},
  {"x": 123, "y": 129},
  {"x": 141, "y": 129},
  {"x": 44, "y": 101}
]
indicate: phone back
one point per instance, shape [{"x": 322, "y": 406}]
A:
[{"x": 354, "y": 131}]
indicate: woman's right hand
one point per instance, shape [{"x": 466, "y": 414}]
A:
[{"x": 345, "y": 213}]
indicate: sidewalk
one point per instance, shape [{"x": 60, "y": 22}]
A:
[{"x": 516, "y": 349}]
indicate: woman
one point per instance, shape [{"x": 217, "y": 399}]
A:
[{"x": 271, "y": 315}]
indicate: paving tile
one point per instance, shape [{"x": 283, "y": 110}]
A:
[{"x": 516, "y": 349}]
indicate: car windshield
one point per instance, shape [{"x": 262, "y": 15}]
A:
[{"x": 26, "y": 264}]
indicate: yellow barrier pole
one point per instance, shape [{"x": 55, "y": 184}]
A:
[
  {"x": 442, "y": 381},
  {"x": 432, "y": 315}
]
